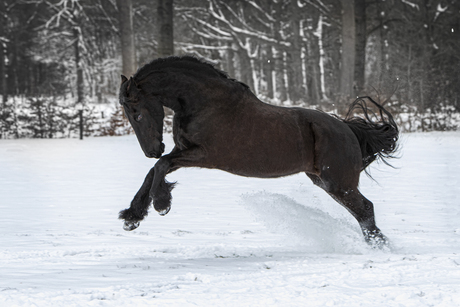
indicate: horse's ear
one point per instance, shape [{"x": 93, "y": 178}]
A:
[
  {"x": 123, "y": 79},
  {"x": 131, "y": 83}
]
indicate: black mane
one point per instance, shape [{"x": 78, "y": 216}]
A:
[{"x": 187, "y": 63}]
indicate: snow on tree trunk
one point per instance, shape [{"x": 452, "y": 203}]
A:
[{"x": 322, "y": 57}]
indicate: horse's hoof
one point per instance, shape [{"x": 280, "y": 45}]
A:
[
  {"x": 165, "y": 211},
  {"x": 128, "y": 226},
  {"x": 377, "y": 240}
]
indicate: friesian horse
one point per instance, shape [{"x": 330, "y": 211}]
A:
[{"x": 220, "y": 124}]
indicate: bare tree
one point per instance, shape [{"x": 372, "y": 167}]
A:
[{"x": 82, "y": 25}]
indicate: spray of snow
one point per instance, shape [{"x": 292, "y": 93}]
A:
[{"x": 310, "y": 229}]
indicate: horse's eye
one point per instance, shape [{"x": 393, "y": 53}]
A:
[{"x": 138, "y": 117}]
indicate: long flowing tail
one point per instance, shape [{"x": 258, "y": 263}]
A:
[{"x": 377, "y": 133}]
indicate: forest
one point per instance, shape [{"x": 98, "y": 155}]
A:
[{"x": 61, "y": 60}]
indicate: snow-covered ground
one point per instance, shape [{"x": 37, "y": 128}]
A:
[{"x": 228, "y": 240}]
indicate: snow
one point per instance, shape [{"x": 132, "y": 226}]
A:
[{"x": 228, "y": 240}]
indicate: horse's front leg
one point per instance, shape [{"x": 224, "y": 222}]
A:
[
  {"x": 161, "y": 188},
  {"x": 160, "y": 191},
  {"x": 156, "y": 188},
  {"x": 139, "y": 205}
]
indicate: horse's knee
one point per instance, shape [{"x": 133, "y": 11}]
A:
[
  {"x": 162, "y": 166},
  {"x": 162, "y": 197}
]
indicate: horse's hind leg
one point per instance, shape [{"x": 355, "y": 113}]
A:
[
  {"x": 363, "y": 210},
  {"x": 359, "y": 206}
]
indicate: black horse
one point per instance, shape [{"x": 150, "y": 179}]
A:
[{"x": 219, "y": 123}]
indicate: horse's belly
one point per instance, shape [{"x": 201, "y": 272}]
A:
[
  {"x": 266, "y": 142},
  {"x": 253, "y": 162},
  {"x": 260, "y": 172}
]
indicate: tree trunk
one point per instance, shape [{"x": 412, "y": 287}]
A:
[
  {"x": 78, "y": 67},
  {"x": 313, "y": 75},
  {"x": 360, "y": 57},
  {"x": 245, "y": 68},
  {"x": 428, "y": 98},
  {"x": 128, "y": 53},
  {"x": 348, "y": 49},
  {"x": 322, "y": 58},
  {"x": 278, "y": 58},
  {"x": 296, "y": 90},
  {"x": 280, "y": 87},
  {"x": 165, "y": 27},
  {"x": 268, "y": 68},
  {"x": 230, "y": 60},
  {"x": 3, "y": 85},
  {"x": 382, "y": 32}
]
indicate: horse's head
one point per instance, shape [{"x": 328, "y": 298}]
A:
[{"x": 145, "y": 115}]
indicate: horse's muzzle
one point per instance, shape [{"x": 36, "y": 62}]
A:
[{"x": 156, "y": 153}]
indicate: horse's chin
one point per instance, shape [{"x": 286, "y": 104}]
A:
[
  {"x": 155, "y": 155},
  {"x": 152, "y": 155}
]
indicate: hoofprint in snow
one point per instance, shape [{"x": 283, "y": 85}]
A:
[{"x": 228, "y": 240}]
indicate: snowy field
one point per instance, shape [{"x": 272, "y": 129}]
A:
[{"x": 228, "y": 240}]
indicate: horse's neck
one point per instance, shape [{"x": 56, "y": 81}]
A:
[
  {"x": 181, "y": 93},
  {"x": 187, "y": 93},
  {"x": 172, "y": 88},
  {"x": 172, "y": 103}
]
